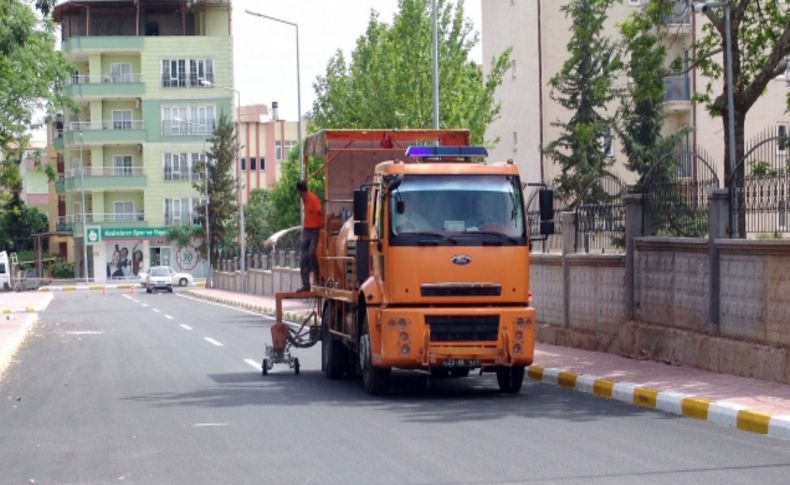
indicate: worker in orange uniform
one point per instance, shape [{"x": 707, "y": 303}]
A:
[{"x": 312, "y": 225}]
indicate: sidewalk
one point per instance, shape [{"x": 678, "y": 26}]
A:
[
  {"x": 749, "y": 404},
  {"x": 19, "y": 314}
]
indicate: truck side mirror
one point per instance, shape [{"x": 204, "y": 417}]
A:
[
  {"x": 546, "y": 204},
  {"x": 360, "y": 206}
]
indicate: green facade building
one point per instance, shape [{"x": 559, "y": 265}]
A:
[{"x": 151, "y": 78}]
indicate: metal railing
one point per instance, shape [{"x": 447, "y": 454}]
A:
[
  {"x": 105, "y": 172},
  {"x": 105, "y": 125},
  {"x": 78, "y": 79},
  {"x": 677, "y": 88},
  {"x": 600, "y": 217},
  {"x": 680, "y": 14},
  {"x": 90, "y": 217},
  {"x": 186, "y": 128}
]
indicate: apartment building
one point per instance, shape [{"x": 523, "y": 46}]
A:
[
  {"x": 151, "y": 78},
  {"x": 539, "y": 31}
]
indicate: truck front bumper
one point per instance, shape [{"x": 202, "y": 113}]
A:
[{"x": 420, "y": 338}]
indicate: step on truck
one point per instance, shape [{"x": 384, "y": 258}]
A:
[{"x": 423, "y": 258}]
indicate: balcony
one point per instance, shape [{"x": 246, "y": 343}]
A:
[
  {"x": 107, "y": 132},
  {"x": 105, "y": 178},
  {"x": 73, "y": 223},
  {"x": 677, "y": 93},
  {"x": 118, "y": 43},
  {"x": 188, "y": 128},
  {"x": 85, "y": 87},
  {"x": 679, "y": 20}
]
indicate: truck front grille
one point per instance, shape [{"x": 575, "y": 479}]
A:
[{"x": 463, "y": 328}]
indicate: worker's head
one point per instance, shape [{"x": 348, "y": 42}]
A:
[{"x": 301, "y": 186}]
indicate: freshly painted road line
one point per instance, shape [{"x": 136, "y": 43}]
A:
[
  {"x": 185, "y": 326},
  {"x": 155, "y": 310},
  {"x": 212, "y": 341},
  {"x": 253, "y": 364},
  {"x": 85, "y": 332},
  {"x": 208, "y": 425},
  {"x": 168, "y": 317},
  {"x": 145, "y": 305}
]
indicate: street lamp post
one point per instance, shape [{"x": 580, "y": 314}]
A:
[
  {"x": 298, "y": 87},
  {"x": 703, "y": 7},
  {"x": 84, "y": 220}
]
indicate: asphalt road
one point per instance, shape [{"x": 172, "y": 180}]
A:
[{"x": 165, "y": 389}]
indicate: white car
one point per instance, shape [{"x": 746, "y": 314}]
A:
[{"x": 165, "y": 275}]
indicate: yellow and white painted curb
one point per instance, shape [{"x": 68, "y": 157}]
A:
[
  {"x": 723, "y": 413},
  {"x": 99, "y": 287}
]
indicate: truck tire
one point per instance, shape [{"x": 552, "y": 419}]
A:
[
  {"x": 510, "y": 378},
  {"x": 333, "y": 352},
  {"x": 374, "y": 379}
]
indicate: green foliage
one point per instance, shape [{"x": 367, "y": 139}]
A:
[
  {"x": 222, "y": 188},
  {"x": 284, "y": 199},
  {"x": 387, "y": 83},
  {"x": 761, "y": 43},
  {"x": 18, "y": 223},
  {"x": 259, "y": 218},
  {"x": 32, "y": 72},
  {"x": 183, "y": 234},
  {"x": 62, "y": 269},
  {"x": 641, "y": 113},
  {"x": 584, "y": 86}
]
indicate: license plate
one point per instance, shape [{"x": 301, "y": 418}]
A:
[{"x": 460, "y": 363}]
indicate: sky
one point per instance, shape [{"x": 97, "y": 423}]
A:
[{"x": 264, "y": 51}]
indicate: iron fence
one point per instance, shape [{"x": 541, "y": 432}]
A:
[
  {"x": 600, "y": 217},
  {"x": 760, "y": 199},
  {"x": 552, "y": 242},
  {"x": 675, "y": 193}
]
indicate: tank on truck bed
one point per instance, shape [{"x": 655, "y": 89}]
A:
[{"x": 423, "y": 258}]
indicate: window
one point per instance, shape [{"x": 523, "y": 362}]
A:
[
  {"x": 188, "y": 120},
  {"x": 633, "y": 3},
  {"x": 178, "y": 211},
  {"x": 252, "y": 163},
  {"x": 123, "y": 210},
  {"x": 515, "y": 141},
  {"x": 121, "y": 119},
  {"x": 201, "y": 72},
  {"x": 180, "y": 73},
  {"x": 197, "y": 161},
  {"x": 120, "y": 73},
  {"x": 278, "y": 151},
  {"x": 513, "y": 69},
  {"x": 243, "y": 162},
  {"x": 262, "y": 163},
  {"x": 122, "y": 165},
  {"x": 176, "y": 167},
  {"x": 606, "y": 145},
  {"x": 782, "y": 138}
]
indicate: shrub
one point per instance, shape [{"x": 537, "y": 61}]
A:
[{"x": 63, "y": 269}]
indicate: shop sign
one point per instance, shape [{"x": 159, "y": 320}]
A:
[{"x": 133, "y": 232}]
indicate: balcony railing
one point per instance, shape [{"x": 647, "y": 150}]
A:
[
  {"x": 105, "y": 172},
  {"x": 77, "y": 79},
  {"x": 101, "y": 217},
  {"x": 106, "y": 125},
  {"x": 186, "y": 128},
  {"x": 680, "y": 14},
  {"x": 677, "y": 88}
]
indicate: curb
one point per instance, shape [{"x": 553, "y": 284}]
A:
[
  {"x": 10, "y": 346},
  {"x": 723, "y": 413},
  {"x": 118, "y": 286},
  {"x": 291, "y": 316}
]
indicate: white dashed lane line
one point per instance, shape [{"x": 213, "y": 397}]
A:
[
  {"x": 253, "y": 364},
  {"x": 155, "y": 310},
  {"x": 168, "y": 317},
  {"x": 212, "y": 341},
  {"x": 185, "y": 326},
  {"x": 145, "y": 305}
]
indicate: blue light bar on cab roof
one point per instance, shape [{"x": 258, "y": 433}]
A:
[{"x": 424, "y": 151}]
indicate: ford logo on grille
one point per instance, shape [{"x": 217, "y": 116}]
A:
[{"x": 461, "y": 259}]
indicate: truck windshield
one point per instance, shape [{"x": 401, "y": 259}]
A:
[{"x": 457, "y": 209}]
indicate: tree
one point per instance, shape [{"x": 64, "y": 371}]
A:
[
  {"x": 18, "y": 223},
  {"x": 584, "y": 87},
  {"x": 760, "y": 32},
  {"x": 284, "y": 199},
  {"x": 32, "y": 72},
  {"x": 641, "y": 114},
  {"x": 259, "y": 218},
  {"x": 221, "y": 187},
  {"x": 387, "y": 83}
]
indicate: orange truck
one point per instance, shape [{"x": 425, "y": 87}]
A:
[{"x": 423, "y": 258}]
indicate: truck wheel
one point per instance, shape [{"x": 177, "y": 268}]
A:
[
  {"x": 296, "y": 366},
  {"x": 510, "y": 378},
  {"x": 374, "y": 379},
  {"x": 333, "y": 352},
  {"x": 265, "y": 367}
]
